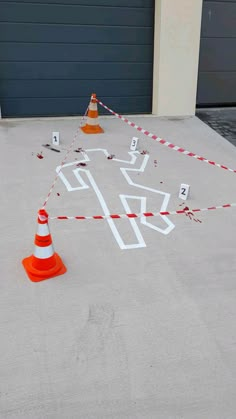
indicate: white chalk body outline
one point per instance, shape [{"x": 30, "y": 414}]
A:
[{"x": 124, "y": 198}]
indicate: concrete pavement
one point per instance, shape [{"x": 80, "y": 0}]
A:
[{"x": 143, "y": 323}]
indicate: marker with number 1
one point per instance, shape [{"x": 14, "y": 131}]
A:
[{"x": 55, "y": 138}]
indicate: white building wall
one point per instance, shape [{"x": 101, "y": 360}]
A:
[{"x": 176, "y": 56}]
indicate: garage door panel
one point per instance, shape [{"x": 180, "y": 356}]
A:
[
  {"x": 219, "y": 19},
  {"x": 221, "y": 1},
  {"x": 72, "y": 88},
  {"x": 74, "y": 34},
  {"x": 217, "y": 60},
  {"x": 67, "y": 70},
  {"x": 75, "y": 15},
  {"x": 53, "y": 54},
  {"x": 73, "y": 52},
  {"x": 114, "y": 3},
  {"x": 218, "y": 54},
  {"x": 217, "y": 87},
  {"x": 74, "y": 106}
]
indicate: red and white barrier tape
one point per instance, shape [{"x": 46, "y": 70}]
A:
[
  {"x": 164, "y": 142},
  {"x": 144, "y": 214},
  {"x": 65, "y": 158}
]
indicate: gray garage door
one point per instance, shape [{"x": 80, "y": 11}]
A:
[
  {"x": 217, "y": 68},
  {"x": 55, "y": 53}
]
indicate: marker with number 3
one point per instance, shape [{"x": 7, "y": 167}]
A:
[{"x": 134, "y": 143}]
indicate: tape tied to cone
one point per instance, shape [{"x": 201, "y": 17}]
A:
[
  {"x": 92, "y": 126},
  {"x": 44, "y": 263}
]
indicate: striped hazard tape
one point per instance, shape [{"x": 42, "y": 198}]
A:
[
  {"x": 164, "y": 142},
  {"x": 186, "y": 210},
  {"x": 65, "y": 158}
]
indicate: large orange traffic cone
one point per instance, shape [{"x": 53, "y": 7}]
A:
[
  {"x": 92, "y": 126},
  {"x": 44, "y": 263}
]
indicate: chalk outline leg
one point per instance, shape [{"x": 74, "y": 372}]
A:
[{"x": 141, "y": 243}]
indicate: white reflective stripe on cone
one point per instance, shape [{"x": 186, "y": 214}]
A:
[
  {"x": 92, "y": 121},
  {"x": 42, "y": 217},
  {"x": 43, "y": 252},
  {"x": 93, "y": 106},
  {"x": 43, "y": 230}
]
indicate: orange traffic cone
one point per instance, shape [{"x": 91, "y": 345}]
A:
[
  {"x": 92, "y": 126},
  {"x": 44, "y": 263}
]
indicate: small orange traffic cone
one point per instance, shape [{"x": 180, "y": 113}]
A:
[
  {"x": 92, "y": 126},
  {"x": 44, "y": 263}
]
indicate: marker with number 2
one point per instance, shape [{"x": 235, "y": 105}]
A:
[{"x": 184, "y": 191}]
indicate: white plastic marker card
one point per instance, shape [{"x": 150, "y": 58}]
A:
[
  {"x": 134, "y": 143},
  {"x": 55, "y": 138},
  {"x": 184, "y": 191}
]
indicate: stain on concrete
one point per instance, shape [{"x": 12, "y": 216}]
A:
[{"x": 95, "y": 332}]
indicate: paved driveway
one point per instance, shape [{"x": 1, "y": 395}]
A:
[
  {"x": 143, "y": 323},
  {"x": 222, "y": 120}
]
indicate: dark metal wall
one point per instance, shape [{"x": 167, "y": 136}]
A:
[
  {"x": 217, "y": 67},
  {"x": 55, "y": 53}
]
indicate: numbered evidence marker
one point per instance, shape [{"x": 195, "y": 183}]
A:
[
  {"x": 134, "y": 143},
  {"x": 55, "y": 138},
  {"x": 184, "y": 191}
]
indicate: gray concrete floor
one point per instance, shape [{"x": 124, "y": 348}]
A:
[{"x": 137, "y": 333}]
